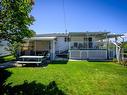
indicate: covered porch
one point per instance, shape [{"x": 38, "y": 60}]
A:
[
  {"x": 38, "y": 46},
  {"x": 90, "y": 45}
]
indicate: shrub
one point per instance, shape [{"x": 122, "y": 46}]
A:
[
  {"x": 114, "y": 60},
  {"x": 124, "y": 62}
]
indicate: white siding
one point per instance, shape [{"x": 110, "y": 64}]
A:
[
  {"x": 78, "y": 38},
  {"x": 61, "y": 44},
  {"x": 52, "y": 50}
]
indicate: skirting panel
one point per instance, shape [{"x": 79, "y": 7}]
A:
[{"x": 88, "y": 54}]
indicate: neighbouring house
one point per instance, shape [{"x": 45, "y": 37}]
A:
[
  {"x": 3, "y": 48},
  {"x": 76, "y": 45}
]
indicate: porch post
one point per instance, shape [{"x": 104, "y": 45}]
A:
[
  {"x": 117, "y": 50},
  {"x": 87, "y": 40},
  {"x": 122, "y": 50},
  {"x": 53, "y": 49},
  {"x": 69, "y": 47},
  {"x": 19, "y": 51},
  {"x": 27, "y": 52},
  {"x": 50, "y": 49},
  {"x": 35, "y": 46},
  {"x": 107, "y": 42}
]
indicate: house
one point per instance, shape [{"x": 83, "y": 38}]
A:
[
  {"x": 77, "y": 45},
  {"x": 3, "y": 48}
]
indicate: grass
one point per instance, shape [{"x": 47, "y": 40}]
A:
[
  {"x": 75, "y": 77},
  {"x": 7, "y": 58}
]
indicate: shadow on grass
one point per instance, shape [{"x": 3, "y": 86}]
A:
[
  {"x": 29, "y": 65},
  {"x": 35, "y": 65},
  {"x": 59, "y": 62},
  {"x": 4, "y": 74},
  {"x": 32, "y": 88},
  {"x": 97, "y": 60}
]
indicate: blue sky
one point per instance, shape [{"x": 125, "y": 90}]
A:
[{"x": 81, "y": 16}]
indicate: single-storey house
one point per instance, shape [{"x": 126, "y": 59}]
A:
[{"x": 77, "y": 45}]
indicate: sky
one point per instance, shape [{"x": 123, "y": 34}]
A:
[{"x": 81, "y": 16}]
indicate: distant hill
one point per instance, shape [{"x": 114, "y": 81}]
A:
[{"x": 125, "y": 36}]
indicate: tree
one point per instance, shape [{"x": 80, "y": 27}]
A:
[
  {"x": 15, "y": 20},
  {"x": 121, "y": 49},
  {"x": 124, "y": 49}
]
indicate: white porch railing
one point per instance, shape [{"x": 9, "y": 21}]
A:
[{"x": 80, "y": 45}]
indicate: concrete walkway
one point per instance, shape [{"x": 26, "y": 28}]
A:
[
  {"x": 60, "y": 59},
  {"x": 8, "y": 64}
]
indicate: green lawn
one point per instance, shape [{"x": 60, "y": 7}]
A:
[
  {"x": 6, "y": 58},
  {"x": 73, "y": 78}
]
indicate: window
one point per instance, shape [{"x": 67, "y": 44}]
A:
[
  {"x": 85, "y": 39},
  {"x": 66, "y": 39},
  {"x": 90, "y": 39},
  {"x": 75, "y": 44},
  {"x": 90, "y": 42}
]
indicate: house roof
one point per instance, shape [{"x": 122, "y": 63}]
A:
[
  {"x": 52, "y": 35},
  {"x": 42, "y": 38},
  {"x": 97, "y": 34},
  {"x": 77, "y": 34}
]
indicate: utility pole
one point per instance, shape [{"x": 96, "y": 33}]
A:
[{"x": 64, "y": 13}]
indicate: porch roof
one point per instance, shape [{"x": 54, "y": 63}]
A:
[
  {"x": 42, "y": 38},
  {"x": 114, "y": 35},
  {"x": 87, "y": 33},
  {"x": 97, "y": 34}
]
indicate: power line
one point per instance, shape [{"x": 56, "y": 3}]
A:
[{"x": 64, "y": 13}]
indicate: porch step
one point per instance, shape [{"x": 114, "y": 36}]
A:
[
  {"x": 60, "y": 58},
  {"x": 25, "y": 62}
]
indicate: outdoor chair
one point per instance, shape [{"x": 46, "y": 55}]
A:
[{"x": 47, "y": 56}]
